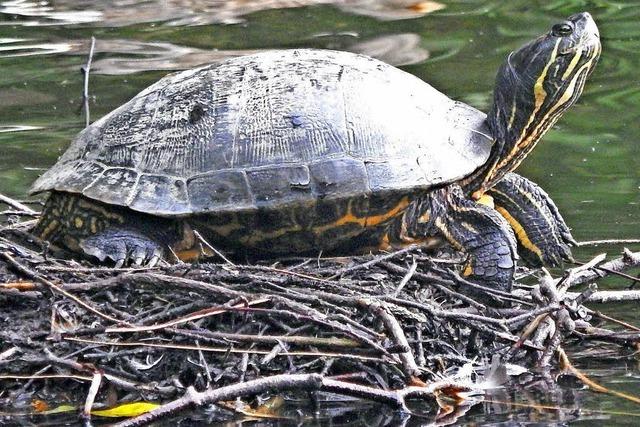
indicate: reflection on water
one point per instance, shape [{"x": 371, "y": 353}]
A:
[
  {"x": 590, "y": 163},
  {"x": 130, "y": 56},
  {"x": 116, "y": 13},
  {"x": 18, "y": 47}
]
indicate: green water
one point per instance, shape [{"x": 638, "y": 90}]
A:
[{"x": 589, "y": 163}]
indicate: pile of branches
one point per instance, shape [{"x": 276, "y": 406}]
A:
[{"x": 384, "y": 327}]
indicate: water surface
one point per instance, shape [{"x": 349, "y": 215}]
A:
[{"x": 589, "y": 163}]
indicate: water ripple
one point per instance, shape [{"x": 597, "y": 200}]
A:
[
  {"x": 18, "y": 128},
  {"x": 24, "y": 47},
  {"x": 42, "y": 9}
]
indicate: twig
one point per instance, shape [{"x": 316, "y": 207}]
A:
[
  {"x": 410, "y": 272},
  {"x": 16, "y": 204},
  {"x": 91, "y": 395},
  {"x": 397, "y": 336},
  {"x": 200, "y": 314},
  {"x": 608, "y": 242},
  {"x": 376, "y": 260},
  {"x": 209, "y": 246},
  {"x": 220, "y": 349},
  {"x": 629, "y": 259},
  {"x": 35, "y": 276}
]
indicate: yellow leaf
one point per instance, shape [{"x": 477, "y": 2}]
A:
[{"x": 126, "y": 410}]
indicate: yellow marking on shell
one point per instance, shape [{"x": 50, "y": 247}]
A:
[
  {"x": 468, "y": 270},
  {"x": 225, "y": 230},
  {"x": 572, "y": 65},
  {"x": 486, "y": 200},
  {"x": 84, "y": 204},
  {"x": 93, "y": 225},
  {"x": 365, "y": 221},
  {"x": 520, "y": 232},
  {"x": 50, "y": 228},
  {"x": 78, "y": 222}
]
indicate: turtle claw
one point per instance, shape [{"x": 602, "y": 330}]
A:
[{"x": 123, "y": 247}]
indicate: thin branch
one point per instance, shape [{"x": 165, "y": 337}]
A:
[
  {"x": 17, "y": 205},
  {"x": 35, "y": 276}
]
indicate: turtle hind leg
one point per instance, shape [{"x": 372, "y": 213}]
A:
[{"x": 543, "y": 236}]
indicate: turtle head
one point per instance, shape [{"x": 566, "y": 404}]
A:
[{"x": 534, "y": 86}]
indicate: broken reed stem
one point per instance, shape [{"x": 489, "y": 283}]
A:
[
  {"x": 85, "y": 89},
  {"x": 567, "y": 365}
]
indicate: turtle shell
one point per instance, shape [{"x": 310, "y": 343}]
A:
[{"x": 273, "y": 129}]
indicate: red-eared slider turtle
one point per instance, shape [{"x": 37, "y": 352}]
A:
[{"x": 298, "y": 151}]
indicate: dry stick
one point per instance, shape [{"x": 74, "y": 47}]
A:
[
  {"x": 406, "y": 278},
  {"x": 608, "y": 242},
  {"x": 214, "y": 250},
  {"x": 85, "y": 91},
  {"x": 609, "y": 296},
  {"x": 35, "y": 276},
  {"x": 269, "y": 339},
  {"x": 91, "y": 396},
  {"x": 608, "y": 270},
  {"x": 46, "y": 377},
  {"x": 222, "y": 349},
  {"x": 16, "y": 204},
  {"x": 437, "y": 283},
  {"x": 286, "y": 382},
  {"x": 628, "y": 260},
  {"x": 613, "y": 320},
  {"x": 397, "y": 336},
  {"x": 374, "y": 261},
  {"x": 200, "y": 314},
  {"x": 118, "y": 381}
]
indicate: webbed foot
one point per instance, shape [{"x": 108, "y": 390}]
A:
[
  {"x": 543, "y": 236},
  {"x": 124, "y": 247}
]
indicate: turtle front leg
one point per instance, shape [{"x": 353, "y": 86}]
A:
[
  {"x": 543, "y": 236},
  {"x": 470, "y": 227},
  {"x": 106, "y": 232}
]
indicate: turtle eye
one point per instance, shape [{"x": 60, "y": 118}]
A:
[{"x": 563, "y": 29}]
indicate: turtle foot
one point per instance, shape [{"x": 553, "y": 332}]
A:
[{"x": 124, "y": 247}]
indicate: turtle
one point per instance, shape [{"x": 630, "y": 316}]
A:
[{"x": 306, "y": 150}]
